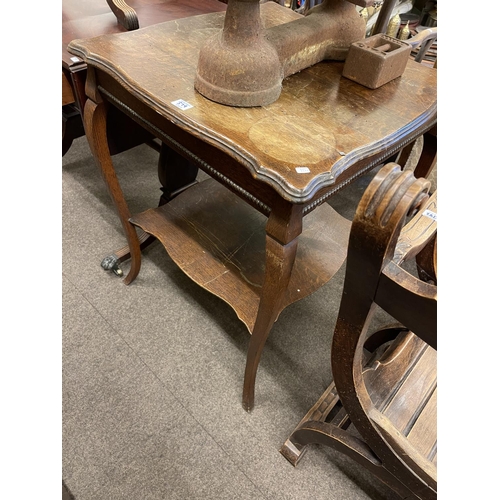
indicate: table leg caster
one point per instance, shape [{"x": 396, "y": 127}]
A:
[{"x": 112, "y": 263}]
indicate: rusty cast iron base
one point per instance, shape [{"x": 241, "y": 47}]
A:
[{"x": 245, "y": 64}]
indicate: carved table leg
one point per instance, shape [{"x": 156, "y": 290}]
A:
[
  {"x": 175, "y": 174},
  {"x": 283, "y": 228},
  {"x": 95, "y": 127}
]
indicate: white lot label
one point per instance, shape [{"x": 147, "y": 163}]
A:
[
  {"x": 181, "y": 104},
  {"x": 302, "y": 170},
  {"x": 430, "y": 214}
]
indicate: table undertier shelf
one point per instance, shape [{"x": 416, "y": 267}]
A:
[{"x": 218, "y": 240}]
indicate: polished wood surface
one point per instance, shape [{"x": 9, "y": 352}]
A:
[
  {"x": 321, "y": 121},
  {"x": 90, "y": 18},
  {"x": 381, "y": 408},
  {"x": 283, "y": 160}
]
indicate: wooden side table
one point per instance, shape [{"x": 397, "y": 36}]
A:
[{"x": 258, "y": 234}]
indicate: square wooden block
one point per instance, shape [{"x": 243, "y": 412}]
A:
[{"x": 376, "y": 60}]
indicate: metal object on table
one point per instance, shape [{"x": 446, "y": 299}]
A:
[
  {"x": 394, "y": 25},
  {"x": 429, "y": 14},
  {"x": 430, "y": 19},
  {"x": 376, "y": 60},
  {"x": 245, "y": 63},
  {"x": 384, "y": 16},
  {"x": 364, "y": 14},
  {"x": 404, "y": 34}
]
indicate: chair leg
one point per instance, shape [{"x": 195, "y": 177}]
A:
[
  {"x": 292, "y": 450},
  {"x": 324, "y": 433}
]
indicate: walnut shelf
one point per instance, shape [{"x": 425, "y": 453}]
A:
[{"x": 218, "y": 240}]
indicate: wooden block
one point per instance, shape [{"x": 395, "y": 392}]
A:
[{"x": 376, "y": 60}]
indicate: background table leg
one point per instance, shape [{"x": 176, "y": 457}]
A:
[
  {"x": 428, "y": 157},
  {"x": 175, "y": 173}
]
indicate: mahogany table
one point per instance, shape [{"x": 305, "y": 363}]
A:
[{"x": 257, "y": 233}]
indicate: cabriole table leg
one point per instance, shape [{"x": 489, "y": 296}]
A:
[
  {"x": 282, "y": 231},
  {"x": 95, "y": 128}
]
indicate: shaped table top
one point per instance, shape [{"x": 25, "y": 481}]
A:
[{"x": 321, "y": 125}]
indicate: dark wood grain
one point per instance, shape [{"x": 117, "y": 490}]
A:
[{"x": 68, "y": 97}]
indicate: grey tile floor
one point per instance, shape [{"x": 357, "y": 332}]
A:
[{"x": 153, "y": 372}]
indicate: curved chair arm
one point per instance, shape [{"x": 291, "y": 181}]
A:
[
  {"x": 391, "y": 197},
  {"x": 388, "y": 392}
]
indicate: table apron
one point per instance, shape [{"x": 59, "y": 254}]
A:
[{"x": 240, "y": 181}]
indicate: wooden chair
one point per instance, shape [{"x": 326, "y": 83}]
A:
[{"x": 381, "y": 407}]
